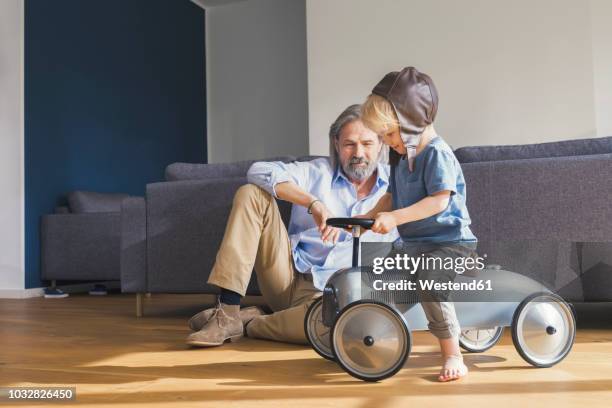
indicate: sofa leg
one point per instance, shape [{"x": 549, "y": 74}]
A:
[{"x": 139, "y": 305}]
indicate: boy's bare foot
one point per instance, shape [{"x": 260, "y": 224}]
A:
[{"x": 453, "y": 369}]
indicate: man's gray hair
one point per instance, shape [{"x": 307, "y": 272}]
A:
[{"x": 350, "y": 114}]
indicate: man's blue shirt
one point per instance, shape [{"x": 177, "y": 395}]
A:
[{"x": 332, "y": 187}]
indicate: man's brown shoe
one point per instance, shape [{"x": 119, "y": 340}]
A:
[
  {"x": 224, "y": 324},
  {"x": 246, "y": 314}
]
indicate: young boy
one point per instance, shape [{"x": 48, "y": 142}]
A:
[{"x": 426, "y": 196}]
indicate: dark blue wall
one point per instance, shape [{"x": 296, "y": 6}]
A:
[{"x": 114, "y": 92}]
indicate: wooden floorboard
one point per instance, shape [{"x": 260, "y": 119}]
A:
[{"x": 115, "y": 360}]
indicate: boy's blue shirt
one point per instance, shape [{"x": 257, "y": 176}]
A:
[{"x": 435, "y": 169}]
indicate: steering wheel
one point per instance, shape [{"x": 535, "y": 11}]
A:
[{"x": 341, "y": 222}]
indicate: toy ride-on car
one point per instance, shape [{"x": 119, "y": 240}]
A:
[{"x": 368, "y": 332}]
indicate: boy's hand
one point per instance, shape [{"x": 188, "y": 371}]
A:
[{"x": 384, "y": 222}]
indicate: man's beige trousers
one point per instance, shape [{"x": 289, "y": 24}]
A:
[{"x": 255, "y": 236}]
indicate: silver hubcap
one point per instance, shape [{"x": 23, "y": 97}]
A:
[
  {"x": 370, "y": 339},
  {"x": 318, "y": 332},
  {"x": 545, "y": 329},
  {"x": 478, "y": 339}
]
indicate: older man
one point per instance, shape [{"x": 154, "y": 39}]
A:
[{"x": 292, "y": 266}]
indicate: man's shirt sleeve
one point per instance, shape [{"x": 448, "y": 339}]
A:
[{"x": 268, "y": 174}]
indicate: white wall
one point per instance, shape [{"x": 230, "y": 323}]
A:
[
  {"x": 507, "y": 72},
  {"x": 601, "y": 18},
  {"x": 11, "y": 147},
  {"x": 256, "y": 79}
]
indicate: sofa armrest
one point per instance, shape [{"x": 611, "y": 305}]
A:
[
  {"x": 133, "y": 255},
  {"x": 185, "y": 226},
  {"x": 80, "y": 246}
]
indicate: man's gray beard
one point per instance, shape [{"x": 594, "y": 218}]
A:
[{"x": 359, "y": 173}]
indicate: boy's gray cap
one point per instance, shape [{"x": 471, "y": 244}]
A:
[{"x": 414, "y": 98}]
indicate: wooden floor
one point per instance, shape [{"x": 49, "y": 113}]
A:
[{"x": 114, "y": 359}]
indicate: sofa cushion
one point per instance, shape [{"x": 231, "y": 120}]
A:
[
  {"x": 91, "y": 202},
  {"x": 578, "y": 147},
  {"x": 200, "y": 171}
]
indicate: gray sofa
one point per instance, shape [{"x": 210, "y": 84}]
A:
[
  {"x": 81, "y": 241},
  {"x": 542, "y": 210},
  {"x": 545, "y": 210},
  {"x": 169, "y": 239}
]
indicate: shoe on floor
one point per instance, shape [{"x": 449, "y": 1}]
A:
[
  {"x": 246, "y": 315},
  {"x": 55, "y": 293},
  {"x": 224, "y": 324}
]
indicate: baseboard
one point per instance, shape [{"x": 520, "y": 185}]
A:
[{"x": 39, "y": 292}]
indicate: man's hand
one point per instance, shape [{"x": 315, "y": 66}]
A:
[
  {"x": 291, "y": 192},
  {"x": 320, "y": 214},
  {"x": 384, "y": 222}
]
